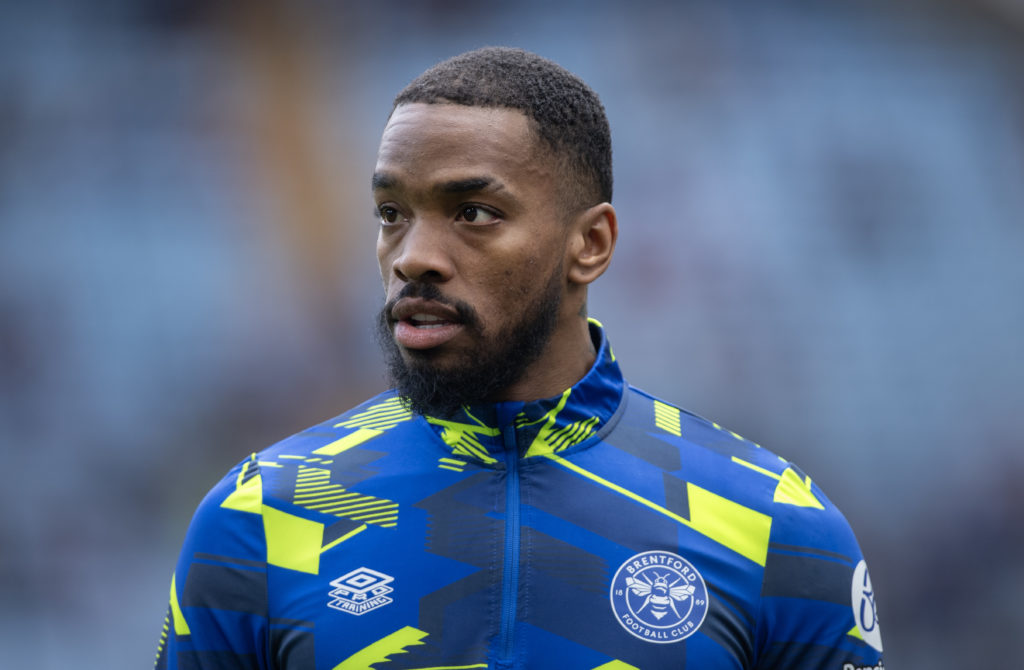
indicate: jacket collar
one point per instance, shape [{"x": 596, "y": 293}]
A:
[{"x": 545, "y": 426}]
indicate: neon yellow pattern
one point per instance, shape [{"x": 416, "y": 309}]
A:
[
  {"x": 791, "y": 489},
  {"x": 550, "y": 439},
  {"x": 248, "y": 496},
  {"x": 730, "y": 524},
  {"x": 382, "y": 416},
  {"x": 163, "y": 639},
  {"x": 453, "y": 464},
  {"x": 292, "y": 542},
  {"x": 379, "y": 651},
  {"x": 368, "y": 425},
  {"x": 855, "y": 632},
  {"x": 616, "y": 665},
  {"x": 611, "y": 354},
  {"x": 736, "y": 435},
  {"x": 351, "y": 440},
  {"x": 315, "y": 492},
  {"x": 666, "y": 417},
  {"x": 180, "y": 625},
  {"x": 795, "y": 491},
  {"x": 462, "y": 437},
  {"x": 350, "y": 534}
]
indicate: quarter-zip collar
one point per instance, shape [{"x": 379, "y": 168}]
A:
[{"x": 545, "y": 426}]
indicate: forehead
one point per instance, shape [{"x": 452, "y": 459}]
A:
[{"x": 440, "y": 142}]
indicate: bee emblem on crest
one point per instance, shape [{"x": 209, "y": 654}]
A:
[
  {"x": 660, "y": 594},
  {"x": 659, "y": 597}
]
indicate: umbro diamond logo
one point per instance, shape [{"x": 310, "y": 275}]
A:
[{"x": 361, "y": 591}]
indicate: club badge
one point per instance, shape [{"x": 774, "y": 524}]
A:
[{"x": 659, "y": 597}]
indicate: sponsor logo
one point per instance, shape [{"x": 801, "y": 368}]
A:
[
  {"x": 851, "y": 666},
  {"x": 864, "y": 611},
  {"x": 360, "y": 591},
  {"x": 659, "y": 597}
]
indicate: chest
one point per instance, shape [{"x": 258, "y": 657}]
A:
[{"x": 523, "y": 566}]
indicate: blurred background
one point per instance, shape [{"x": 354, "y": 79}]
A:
[{"x": 822, "y": 231}]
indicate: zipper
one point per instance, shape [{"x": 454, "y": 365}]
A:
[{"x": 510, "y": 574}]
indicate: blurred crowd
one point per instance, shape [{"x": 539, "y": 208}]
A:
[{"x": 822, "y": 227}]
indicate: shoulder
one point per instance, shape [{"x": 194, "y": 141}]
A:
[
  {"x": 318, "y": 446},
  {"x": 735, "y": 466},
  {"x": 781, "y": 504},
  {"x": 815, "y": 583}
]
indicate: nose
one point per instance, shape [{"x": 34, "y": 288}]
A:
[{"x": 422, "y": 254}]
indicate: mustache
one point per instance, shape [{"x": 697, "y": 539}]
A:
[{"x": 467, "y": 314}]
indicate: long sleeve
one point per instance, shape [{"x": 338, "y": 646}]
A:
[{"x": 217, "y": 615}]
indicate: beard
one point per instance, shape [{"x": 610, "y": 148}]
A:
[{"x": 499, "y": 361}]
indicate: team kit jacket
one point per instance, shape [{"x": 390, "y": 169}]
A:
[{"x": 601, "y": 528}]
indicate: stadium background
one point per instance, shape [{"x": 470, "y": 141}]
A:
[{"x": 821, "y": 209}]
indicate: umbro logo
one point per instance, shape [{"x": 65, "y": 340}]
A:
[{"x": 361, "y": 591}]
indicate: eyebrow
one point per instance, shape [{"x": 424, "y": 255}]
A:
[
  {"x": 383, "y": 181},
  {"x": 467, "y": 185}
]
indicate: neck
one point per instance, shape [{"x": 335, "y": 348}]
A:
[{"x": 566, "y": 360}]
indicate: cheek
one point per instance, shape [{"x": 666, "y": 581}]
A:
[{"x": 383, "y": 260}]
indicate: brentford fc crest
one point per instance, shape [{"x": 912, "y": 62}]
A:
[
  {"x": 659, "y": 597},
  {"x": 360, "y": 591}
]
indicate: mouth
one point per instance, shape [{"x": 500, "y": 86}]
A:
[
  {"x": 423, "y": 324},
  {"x": 427, "y": 321}
]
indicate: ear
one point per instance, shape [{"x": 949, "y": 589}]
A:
[{"x": 593, "y": 234}]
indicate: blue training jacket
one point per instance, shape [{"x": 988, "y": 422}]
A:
[{"x": 601, "y": 528}]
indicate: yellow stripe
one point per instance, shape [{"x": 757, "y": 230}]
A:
[
  {"x": 180, "y": 625},
  {"x": 315, "y": 490},
  {"x": 756, "y": 468},
  {"x": 350, "y": 534},
  {"x": 319, "y": 501},
  {"x": 616, "y": 665},
  {"x": 450, "y": 467},
  {"x": 378, "y": 652},
  {"x": 370, "y": 505},
  {"x": 369, "y": 516},
  {"x": 352, "y": 440},
  {"x": 791, "y": 490},
  {"x": 732, "y": 525},
  {"x": 618, "y": 489},
  {"x": 666, "y": 417},
  {"x": 361, "y": 501}
]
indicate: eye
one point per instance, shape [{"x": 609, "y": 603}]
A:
[
  {"x": 477, "y": 214},
  {"x": 388, "y": 215}
]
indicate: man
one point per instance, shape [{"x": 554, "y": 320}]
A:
[{"x": 513, "y": 503}]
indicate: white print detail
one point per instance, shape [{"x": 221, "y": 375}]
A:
[
  {"x": 659, "y": 597},
  {"x": 851, "y": 666},
  {"x": 864, "y": 610},
  {"x": 360, "y": 591}
]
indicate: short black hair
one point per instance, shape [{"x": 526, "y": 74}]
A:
[{"x": 566, "y": 114}]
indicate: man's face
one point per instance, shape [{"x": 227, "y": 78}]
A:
[{"x": 471, "y": 250}]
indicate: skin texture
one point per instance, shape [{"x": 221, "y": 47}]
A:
[{"x": 472, "y": 204}]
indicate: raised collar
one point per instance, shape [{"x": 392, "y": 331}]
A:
[{"x": 545, "y": 426}]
